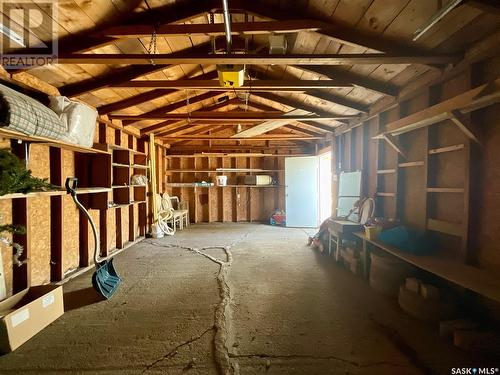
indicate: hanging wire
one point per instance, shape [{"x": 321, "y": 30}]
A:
[{"x": 152, "y": 49}]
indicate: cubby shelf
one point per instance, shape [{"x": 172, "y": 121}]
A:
[
  {"x": 121, "y": 205},
  {"x": 446, "y": 149},
  {"x": 411, "y": 164},
  {"x": 386, "y": 171},
  {"x": 385, "y": 194},
  {"x": 11, "y": 134},
  {"x": 50, "y": 193},
  {"x": 117, "y": 147},
  {"x": 188, "y": 185},
  {"x": 445, "y": 190},
  {"x": 118, "y": 165},
  {"x": 225, "y": 171}
]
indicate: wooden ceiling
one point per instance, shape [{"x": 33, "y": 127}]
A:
[{"x": 342, "y": 57}]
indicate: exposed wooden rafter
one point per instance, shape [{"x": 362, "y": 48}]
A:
[
  {"x": 252, "y": 59},
  {"x": 267, "y": 137},
  {"x": 352, "y": 78},
  {"x": 253, "y": 85},
  {"x": 214, "y": 29},
  {"x": 317, "y": 94},
  {"x": 121, "y": 75},
  {"x": 231, "y": 116},
  {"x": 177, "y": 105}
]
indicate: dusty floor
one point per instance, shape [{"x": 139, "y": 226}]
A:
[{"x": 272, "y": 307}]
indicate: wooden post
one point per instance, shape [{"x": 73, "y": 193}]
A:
[
  {"x": 21, "y": 274},
  {"x": 56, "y": 214}
]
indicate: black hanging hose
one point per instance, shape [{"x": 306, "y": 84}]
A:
[{"x": 71, "y": 185}]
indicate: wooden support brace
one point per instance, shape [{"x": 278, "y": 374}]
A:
[
  {"x": 394, "y": 143},
  {"x": 465, "y": 125}
]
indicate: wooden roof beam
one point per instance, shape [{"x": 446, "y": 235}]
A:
[
  {"x": 121, "y": 75},
  {"x": 319, "y": 126},
  {"x": 162, "y": 125},
  {"x": 215, "y": 29},
  {"x": 145, "y": 97},
  {"x": 301, "y": 130},
  {"x": 352, "y": 78},
  {"x": 215, "y": 148},
  {"x": 289, "y": 102},
  {"x": 337, "y": 99},
  {"x": 231, "y": 116},
  {"x": 289, "y": 59},
  {"x": 177, "y": 105},
  {"x": 253, "y": 85},
  {"x": 266, "y": 137},
  {"x": 332, "y": 98}
]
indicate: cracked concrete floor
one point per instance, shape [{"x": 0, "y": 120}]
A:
[{"x": 291, "y": 311}]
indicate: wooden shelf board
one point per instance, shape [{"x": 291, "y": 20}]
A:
[
  {"x": 445, "y": 190},
  {"x": 236, "y": 155},
  {"x": 120, "y": 186},
  {"x": 446, "y": 149},
  {"x": 118, "y": 165},
  {"x": 385, "y": 194},
  {"x": 139, "y": 166},
  {"x": 473, "y": 278},
  {"x": 386, "y": 171},
  {"x": 54, "y": 193},
  {"x": 236, "y": 170},
  {"x": 253, "y": 186},
  {"x": 75, "y": 273},
  {"x": 11, "y": 134},
  {"x": 123, "y": 148},
  {"x": 411, "y": 164},
  {"x": 187, "y": 185},
  {"x": 454, "y": 229},
  {"x": 224, "y": 171},
  {"x": 121, "y": 205}
]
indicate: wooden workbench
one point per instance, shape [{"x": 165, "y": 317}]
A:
[{"x": 469, "y": 277}]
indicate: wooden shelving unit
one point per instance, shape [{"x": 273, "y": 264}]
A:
[
  {"x": 126, "y": 202},
  {"x": 51, "y": 193},
  {"x": 99, "y": 169},
  {"x": 233, "y": 202}
]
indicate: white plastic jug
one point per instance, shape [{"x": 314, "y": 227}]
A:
[{"x": 221, "y": 180}]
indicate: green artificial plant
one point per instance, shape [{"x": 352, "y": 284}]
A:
[{"x": 15, "y": 178}]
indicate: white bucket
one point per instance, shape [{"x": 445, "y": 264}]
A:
[{"x": 221, "y": 180}]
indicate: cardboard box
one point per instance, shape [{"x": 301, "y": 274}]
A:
[
  {"x": 429, "y": 291},
  {"x": 257, "y": 180},
  {"x": 26, "y": 313},
  {"x": 412, "y": 284}
]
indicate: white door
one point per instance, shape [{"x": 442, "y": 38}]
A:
[
  {"x": 325, "y": 186},
  {"x": 301, "y": 180}
]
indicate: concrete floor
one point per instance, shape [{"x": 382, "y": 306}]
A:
[{"x": 270, "y": 305}]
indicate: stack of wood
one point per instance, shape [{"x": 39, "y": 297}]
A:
[{"x": 424, "y": 301}]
